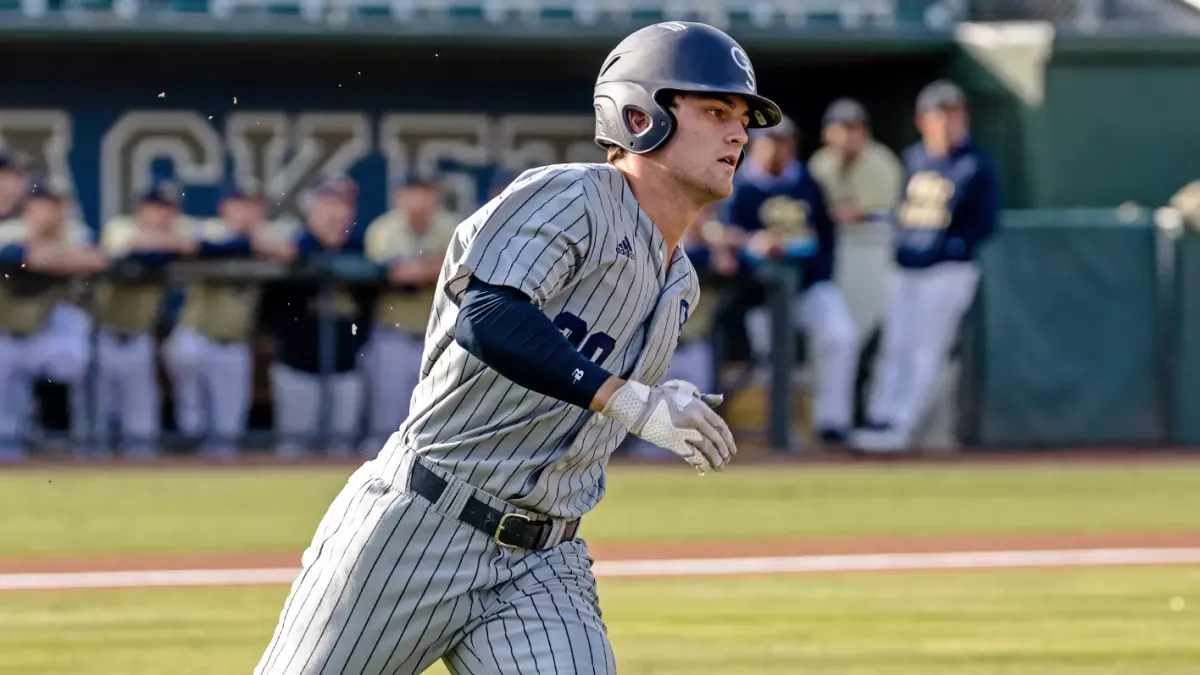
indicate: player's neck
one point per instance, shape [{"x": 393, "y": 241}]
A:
[{"x": 670, "y": 208}]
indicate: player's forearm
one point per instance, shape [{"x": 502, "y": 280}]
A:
[{"x": 501, "y": 328}]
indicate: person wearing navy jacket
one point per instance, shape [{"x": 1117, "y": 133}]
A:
[
  {"x": 949, "y": 207},
  {"x": 292, "y": 313},
  {"x": 779, "y": 212}
]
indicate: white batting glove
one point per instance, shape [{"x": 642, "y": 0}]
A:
[{"x": 675, "y": 416}]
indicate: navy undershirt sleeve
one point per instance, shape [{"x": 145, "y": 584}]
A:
[{"x": 501, "y": 327}]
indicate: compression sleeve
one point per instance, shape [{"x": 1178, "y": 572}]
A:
[{"x": 501, "y": 326}]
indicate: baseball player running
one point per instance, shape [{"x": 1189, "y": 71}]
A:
[
  {"x": 950, "y": 207},
  {"x": 558, "y": 308},
  {"x": 411, "y": 241}
]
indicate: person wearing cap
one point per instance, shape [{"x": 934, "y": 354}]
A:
[
  {"x": 292, "y": 313},
  {"x": 14, "y": 185},
  {"x": 860, "y": 176},
  {"x": 207, "y": 355},
  {"x": 43, "y": 332},
  {"x": 782, "y": 211},
  {"x": 950, "y": 206},
  {"x": 126, "y": 386},
  {"x": 410, "y": 240}
]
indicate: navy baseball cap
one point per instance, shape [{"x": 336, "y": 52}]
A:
[
  {"x": 845, "y": 111},
  {"x": 336, "y": 186},
  {"x": 243, "y": 187},
  {"x": 163, "y": 193},
  {"x": 940, "y": 94},
  {"x": 42, "y": 187}
]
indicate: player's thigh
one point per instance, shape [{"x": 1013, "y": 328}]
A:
[
  {"x": 385, "y": 585},
  {"x": 901, "y": 321},
  {"x": 346, "y": 390},
  {"x": 826, "y": 316},
  {"x": 185, "y": 352},
  {"x": 945, "y": 294},
  {"x": 297, "y": 399},
  {"x": 228, "y": 375},
  {"x": 16, "y": 387},
  {"x": 549, "y": 622},
  {"x": 140, "y": 395}
]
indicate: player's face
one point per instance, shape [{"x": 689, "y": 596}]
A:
[
  {"x": 44, "y": 215},
  {"x": 329, "y": 218},
  {"x": 845, "y": 139},
  {"x": 772, "y": 154},
  {"x": 418, "y": 200},
  {"x": 943, "y": 128},
  {"x": 12, "y": 187},
  {"x": 242, "y": 214},
  {"x": 155, "y": 216},
  {"x": 703, "y": 152}
]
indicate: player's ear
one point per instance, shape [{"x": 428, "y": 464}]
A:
[{"x": 638, "y": 120}]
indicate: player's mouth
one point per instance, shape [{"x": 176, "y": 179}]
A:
[{"x": 731, "y": 160}]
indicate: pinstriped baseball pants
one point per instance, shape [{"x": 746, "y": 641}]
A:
[{"x": 391, "y": 583}]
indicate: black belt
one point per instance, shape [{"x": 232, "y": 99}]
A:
[{"x": 510, "y": 530}]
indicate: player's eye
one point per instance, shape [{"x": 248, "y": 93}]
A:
[{"x": 716, "y": 112}]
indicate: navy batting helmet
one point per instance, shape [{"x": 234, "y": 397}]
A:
[{"x": 658, "y": 60}]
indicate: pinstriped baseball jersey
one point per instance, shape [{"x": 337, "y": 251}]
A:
[{"x": 574, "y": 239}]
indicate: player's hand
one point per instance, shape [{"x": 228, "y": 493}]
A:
[
  {"x": 675, "y": 416},
  {"x": 274, "y": 247},
  {"x": 766, "y": 244}
]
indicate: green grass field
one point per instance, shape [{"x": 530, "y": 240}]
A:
[
  {"x": 1136, "y": 621},
  {"x": 967, "y": 623},
  {"x": 263, "y": 509}
]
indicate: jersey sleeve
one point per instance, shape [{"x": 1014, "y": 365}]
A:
[
  {"x": 536, "y": 239},
  {"x": 379, "y": 239},
  {"x": 118, "y": 236}
]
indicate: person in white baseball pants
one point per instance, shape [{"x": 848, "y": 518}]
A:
[
  {"x": 778, "y": 212},
  {"x": 126, "y": 385},
  {"x": 950, "y": 208},
  {"x": 42, "y": 333},
  {"x": 411, "y": 241}
]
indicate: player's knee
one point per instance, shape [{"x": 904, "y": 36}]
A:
[
  {"x": 67, "y": 361},
  {"x": 184, "y": 353}
]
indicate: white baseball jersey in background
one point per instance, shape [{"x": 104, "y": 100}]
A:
[{"x": 393, "y": 582}]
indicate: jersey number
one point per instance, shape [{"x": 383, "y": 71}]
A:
[{"x": 598, "y": 345}]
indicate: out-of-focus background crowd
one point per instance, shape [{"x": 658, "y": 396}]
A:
[{"x": 223, "y": 221}]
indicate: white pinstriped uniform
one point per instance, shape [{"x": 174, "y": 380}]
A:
[{"x": 391, "y": 582}]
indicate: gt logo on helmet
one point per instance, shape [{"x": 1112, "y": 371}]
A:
[{"x": 742, "y": 61}]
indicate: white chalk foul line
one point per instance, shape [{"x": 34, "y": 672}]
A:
[{"x": 874, "y": 562}]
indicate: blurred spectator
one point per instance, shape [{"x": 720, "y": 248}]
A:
[
  {"x": 13, "y": 185},
  {"x": 126, "y": 385},
  {"x": 411, "y": 241},
  {"x": 1187, "y": 202},
  {"x": 859, "y": 175},
  {"x": 778, "y": 202},
  {"x": 715, "y": 263},
  {"x": 42, "y": 333},
  {"x": 951, "y": 205},
  {"x": 292, "y": 311},
  {"x": 208, "y": 355}
]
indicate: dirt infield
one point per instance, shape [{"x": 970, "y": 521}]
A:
[{"x": 649, "y": 551}]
